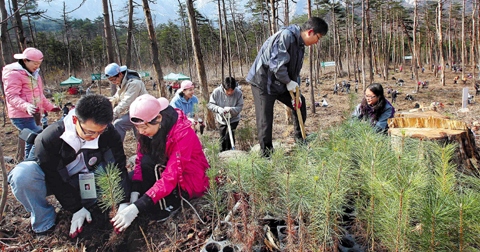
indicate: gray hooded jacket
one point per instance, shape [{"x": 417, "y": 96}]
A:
[
  {"x": 219, "y": 99},
  {"x": 130, "y": 88}
]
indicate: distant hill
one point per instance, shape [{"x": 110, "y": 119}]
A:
[{"x": 163, "y": 11}]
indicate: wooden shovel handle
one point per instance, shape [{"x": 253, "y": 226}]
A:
[{"x": 299, "y": 113}]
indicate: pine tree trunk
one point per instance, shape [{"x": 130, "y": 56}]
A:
[
  {"x": 348, "y": 42},
  {"x": 354, "y": 45},
  {"x": 463, "y": 40},
  {"x": 210, "y": 120},
  {"x": 117, "y": 45},
  {"x": 237, "y": 42},
  {"x": 414, "y": 32},
  {"x": 154, "y": 48},
  {"x": 450, "y": 50},
  {"x": 185, "y": 36},
  {"x": 440, "y": 42},
  {"x": 21, "y": 41},
  {"x": 227, "y": 36},
  {"x": 220, "y": 35},
  {"x": 6, "y": 55},
  {"x": 369, "y": 41},
  {"x": 273, "y": 17},
  {"x": 108, "y": 39},
  {"x": 30, "y": 28},
  {"x": 128, "y": 56},
  {"x": 363, "y": 46},
  {"x": 335, "y": 42},
  {"x": 311, "y": 61},
  {"x": 67, "y": 40},
  {"x": 474, "y": 36}
]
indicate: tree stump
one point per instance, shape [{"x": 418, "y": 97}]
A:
[{"x": 433, "y": 126}]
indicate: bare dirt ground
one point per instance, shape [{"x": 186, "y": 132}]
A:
[{"x": 184, "y": 232}]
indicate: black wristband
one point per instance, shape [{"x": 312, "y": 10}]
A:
[{"x": 143, "y": 203}]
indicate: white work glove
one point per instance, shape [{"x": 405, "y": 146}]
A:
[
  {"x": 124, "y": 218},
  {"x": 292, "y": 86},
  {"x": 31, "y": 109},
  {"x": 78, "y": 218},
  {"x": 221, "y": 110},
  {"x": 227, "y": 109},
  {"x": 133, "y": 198},
  {"x": 122, "y": 206}
]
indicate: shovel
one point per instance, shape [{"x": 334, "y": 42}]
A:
[
  {"x": 227, "y": 119},
  {"x": 296, "y": 97}
]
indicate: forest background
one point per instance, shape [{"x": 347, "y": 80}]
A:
[
  {"x": 369, "y": 41},
  {"x": 370, "y": 36}
]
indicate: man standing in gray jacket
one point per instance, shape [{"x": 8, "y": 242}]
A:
[
  {"x": 227, "y": 101},
  {"x": 276, "y": 72},
  {"x": 129, "y": 87}
]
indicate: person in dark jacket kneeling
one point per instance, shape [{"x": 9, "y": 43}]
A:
[
  {"x": 67, "y": 153},
  {"x": 375, "y": 108}
]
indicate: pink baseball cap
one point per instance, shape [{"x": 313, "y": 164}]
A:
[
  {"x": 186, "y": 84},
  {"x": 146, "y": 107},
  {"x": 30, "y": 53}
]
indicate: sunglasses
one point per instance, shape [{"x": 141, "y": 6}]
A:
[
  {"x": 138, "y": 121},
  {"x": 89, "y": 132}
]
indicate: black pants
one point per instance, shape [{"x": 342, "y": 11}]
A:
[
  {"x": 264, "y": 115},
  {"x": 225, "y": 137},
  {"x": 148, "y": 176}
]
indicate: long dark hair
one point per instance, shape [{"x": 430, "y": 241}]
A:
[
  {"x": 156, "y": 146},
  {"x": 22, "y": 63},
  {"x": 373, "y": 112}
]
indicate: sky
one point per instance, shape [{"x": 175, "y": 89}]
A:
[{"x": 162, "y": 11}]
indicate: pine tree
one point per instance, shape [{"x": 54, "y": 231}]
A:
[{"x": 110, "y": 190}]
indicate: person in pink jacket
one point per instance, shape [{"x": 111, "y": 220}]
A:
[
  {"x": 170, "y": 162},
  {"x": 24, "y": 92}
]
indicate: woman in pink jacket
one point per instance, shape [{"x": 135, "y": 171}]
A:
[
  {"x": 24, "y": 92},
  {"x": 170, "y": 162}
]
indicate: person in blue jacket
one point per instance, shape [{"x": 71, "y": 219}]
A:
[
  {"x": 185, "y": 99},
  {"x": 375, "y": 108}
]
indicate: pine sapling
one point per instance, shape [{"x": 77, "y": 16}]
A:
[{"x": 110, "y": 190}]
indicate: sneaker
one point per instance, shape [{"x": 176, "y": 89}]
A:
[{"x": 166, "y": 214}]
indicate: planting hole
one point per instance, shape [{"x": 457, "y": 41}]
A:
[
  {"x": 212, "y": 247},
  {"x": 228, "y": 249}
]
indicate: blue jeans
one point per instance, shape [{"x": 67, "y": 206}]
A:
[
  {"x": 26, "y": 122},
  {"x": 27, "y": 181}
]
